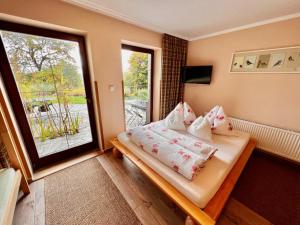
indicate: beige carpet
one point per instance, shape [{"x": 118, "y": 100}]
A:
[{"x": 84, "y": 194}]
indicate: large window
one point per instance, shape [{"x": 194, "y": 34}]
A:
[
  {"x": 46, "y": 76},
  {"x": 137, "y": 65}
]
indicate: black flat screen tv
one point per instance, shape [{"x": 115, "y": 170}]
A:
[{"x": 197, "y": 74}]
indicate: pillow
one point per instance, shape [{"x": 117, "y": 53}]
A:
[
  {"x": 189, "y": 115},
  {"x": 221, "y": 124},
  {"x": 175, "y": 119},
  {"x": 201, "y": 128},
  {"x": 212, "y": 114}
]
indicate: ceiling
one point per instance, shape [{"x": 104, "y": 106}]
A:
[{"x": 195, "y": 19}]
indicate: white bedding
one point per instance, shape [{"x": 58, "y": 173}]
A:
[
  {"x": 210, "y": 178},
  {"x": 185, "y": 155}
]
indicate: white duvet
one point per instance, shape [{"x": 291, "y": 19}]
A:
[{"x": 185, "y": 155}]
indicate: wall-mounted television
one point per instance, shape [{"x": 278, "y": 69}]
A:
[{"x": 197, "y": 74}]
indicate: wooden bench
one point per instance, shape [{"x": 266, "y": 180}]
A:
[{"x": 9, "y": 188}]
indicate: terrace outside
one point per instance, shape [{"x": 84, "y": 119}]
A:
[{"x": 136, "y": 76}]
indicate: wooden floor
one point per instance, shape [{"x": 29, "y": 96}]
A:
[{"x": 150, "y": 205}]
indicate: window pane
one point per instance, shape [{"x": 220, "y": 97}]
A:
[
  {"x": 48, "y": 74},
  {"x": 137, "y": 87}
]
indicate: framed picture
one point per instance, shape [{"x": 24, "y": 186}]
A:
[
  {"x": 250, "y": 62},
  {"x": 293, "y": 59},
  {"x": 238, "y": 62},
  {"x": 263, "y": 61},
  {"x": 278, "y": 60}
]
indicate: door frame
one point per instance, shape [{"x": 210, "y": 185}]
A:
[
  {"x": 14, "y": 96},
  {"x": 143, "y": 50}
]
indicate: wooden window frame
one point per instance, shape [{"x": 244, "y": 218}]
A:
[
  {"x": 9, "y": 81},
  {"x": 148, "y": 51}
]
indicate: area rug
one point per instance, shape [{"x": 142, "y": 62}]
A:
[
  {"x": 271, "y": 187},
  {"x": 84, "y": 194}
]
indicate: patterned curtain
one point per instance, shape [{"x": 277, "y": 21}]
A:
[
  {"x": 4, "y": 161},
  {"x": 174, "y": 54}
]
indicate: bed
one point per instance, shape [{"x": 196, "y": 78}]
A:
[{"x": 203, "y": 198}]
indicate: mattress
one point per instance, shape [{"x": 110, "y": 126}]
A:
[{"x": 209, "y": 179}]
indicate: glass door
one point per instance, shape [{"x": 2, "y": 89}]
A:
[
  {"x": 47, "y": 79},
  {"x": 137, "y": 65}
]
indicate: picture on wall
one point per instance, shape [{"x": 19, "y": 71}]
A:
[
  {"x": 250, "y": 62},
  {"x": 293, "y": 59},
  {"x": 263, "y": 61},
  {"x": 279, "y": 60},
  {"x": 238, "y": 62}
]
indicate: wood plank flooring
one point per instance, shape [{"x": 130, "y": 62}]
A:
[
  {"x": 151, "y": 206},
  {"x": 30, "y": 210}
]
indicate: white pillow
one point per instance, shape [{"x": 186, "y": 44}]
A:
[
  {"x": 212, "y": 114},
  {"x": 189, "y": 115},
  {"x": 221, "y": 124},
  {"x": 201, "y": 128},
  {"x": 175, "y": 119}
]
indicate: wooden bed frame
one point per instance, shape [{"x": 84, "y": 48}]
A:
[{"x": 195, "y": 215}]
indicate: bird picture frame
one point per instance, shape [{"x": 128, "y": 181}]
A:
[{"x": 276, "y": 60}]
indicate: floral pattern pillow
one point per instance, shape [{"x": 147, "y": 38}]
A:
[
  {"x": 212, "y": 114},
  {"x": 189, "y": 115},
  {"x": 221, "y": 124},
  {"x": 175, "y": 119}
]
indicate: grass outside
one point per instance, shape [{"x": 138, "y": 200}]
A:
[
  {"x": 77, "y": 100},
  {"x": 140, "y": 94}
]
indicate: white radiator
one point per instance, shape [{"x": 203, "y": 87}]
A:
[{"x": 278, "y": 141}]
